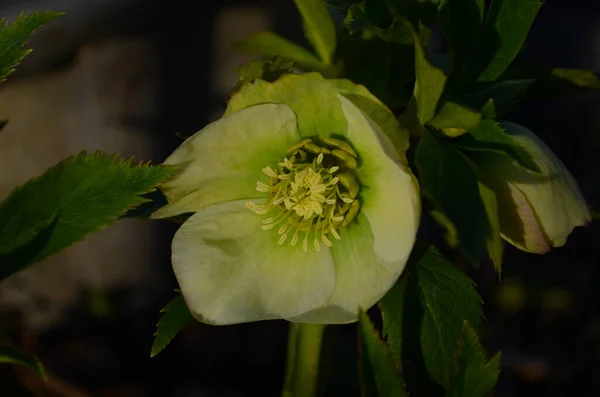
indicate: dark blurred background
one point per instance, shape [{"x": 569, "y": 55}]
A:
[{"x": 133, "y": 76}]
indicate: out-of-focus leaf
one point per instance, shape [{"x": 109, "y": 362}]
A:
[{"x": 12, "y": 355}]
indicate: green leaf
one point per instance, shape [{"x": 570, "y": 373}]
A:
[
  {"x": 489, "y": 136},
  {"x": 11, "y": 355},
  {"x": 429, "y": 85},
  {"x": 13, "y": 37},
  {"x": 472, "y": 374},
  {"x": 176, "y": 316},
  {"x": 423, "y": 317},
  {"x": 494, "y": 242},
  {"x": 386, "y": 68},
  {"x": 554, "y": 82},
  {"x": 267, "y": 70},
  {"x": 454, "y": 119},
  {"x": 379, "y": 374},
  {"x": 504, "y": 32},
  {"x": 504, "y": 94},
  {"x": 318, "y": 28},
  {"x": 271, "y": 45},
  {"x": 460, "y": 21},
  {"x": 78, "y": 196},
  {"x": 449, "y": 181}
]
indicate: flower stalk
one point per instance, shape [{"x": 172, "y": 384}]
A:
[{"x": 303, "y": 358}]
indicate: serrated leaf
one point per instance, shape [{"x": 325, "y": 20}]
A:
[
  {"x": 176, "y": 316},
  {"x": 454, "y": 119},
  {"x": 429, "y": 85},
  {"x": 78, "y": 196},
  {"x": 503, "y": 34},
  {"x": 270, "y": 45},
  {"x": 449, "y": 181},
  {"x": 472, "y": 374},
  {"x": 12, "y": 355},
  {"x": 318, "y": 28},
  {"x": 380, "y": 377},
  {"x": 489, "y": 136},
  {"x": 423, "y": 317},
  {"x": 14, "y": 36}
]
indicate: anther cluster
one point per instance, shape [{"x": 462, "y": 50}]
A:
[{"x": 312, "y": 193}]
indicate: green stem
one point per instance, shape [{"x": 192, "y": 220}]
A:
[{"x": 303, "y": 356}]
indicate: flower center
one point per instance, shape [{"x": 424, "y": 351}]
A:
[{"x": 312, "y": 193}]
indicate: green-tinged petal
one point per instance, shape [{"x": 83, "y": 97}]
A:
[
  {"x": 377, "y": 111},
  {"x": 361, "y": 278},
  {"x": 554, "y": 196},
  {"x": 230, "y": 271},
  {"x": 223, "y": 161},
  {"x": 389, "y": 191},
  {"x": 311, "y": 97}
]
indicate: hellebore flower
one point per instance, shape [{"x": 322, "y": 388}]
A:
[
  {"x": 536, "y": 211},
  {"x": 303, "y": 209}
]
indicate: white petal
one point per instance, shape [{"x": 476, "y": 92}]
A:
[
  {"x": 224, "y": 160},
  {"x": 389, "y": 191},
  {"x": 555, "y": 198},
  {"x": 230, "y": 271},
  {"x": 361, "y": 278}
]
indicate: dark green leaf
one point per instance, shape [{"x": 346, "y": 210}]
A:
[
  {"x": 176, "y": 316},
  {"x": 449, "y": 181},
  {"x": 271, "y": 45},
  {"x": 78, "y": 196},
  {"x": 472, "y": 375},
  {"x": 423, "y": 316},
  {"x": 318, "y": 28},
  {"x": 504, "y": 93},
  {"x": 386, "y": 69},
  {"x": 429, "y": 85},
  {"x": 461, "y": 21},
  {"x": 504, "y": 32},
  {"x": 554, "y": 82},
  {"x": 454, "y": 119},
  {"x": 379, "y": 374},
  {"x": 489, "y": 136},
  {"x": 11, "y": 355},
  {"x": 14, "y": 36},
  {"x": 494, "y": 242}
]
